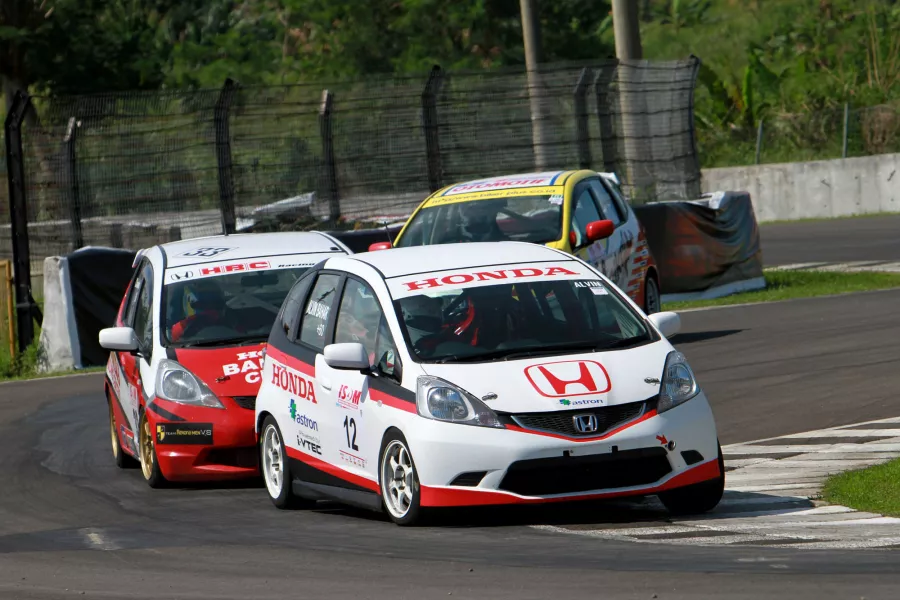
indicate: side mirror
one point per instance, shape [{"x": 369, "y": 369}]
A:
[
  {"x": 668, "y": 323},
  {"x": 123, "y": 339},
  {"x": 380, "y": 246},
  {"x": 351, "y": 355},
  {"x": 599, "y": 230}
]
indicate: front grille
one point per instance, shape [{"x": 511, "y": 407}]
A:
[
  {"x": 562, "y": 422},
  {"x": 233, "y": 457},
  {"x": 248, "y": 402},
  {"x": 573, "y": 474}
]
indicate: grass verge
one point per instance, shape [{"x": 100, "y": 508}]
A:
[
  {"x": 789, "y": 285},
  {"x": 873, "y": 489}
]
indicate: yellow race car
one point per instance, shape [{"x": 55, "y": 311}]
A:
[{"x": 580, "y": 212}]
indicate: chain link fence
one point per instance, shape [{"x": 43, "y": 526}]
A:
[{"x": 136, "y": 169}]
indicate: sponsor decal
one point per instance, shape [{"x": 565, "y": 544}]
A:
[
  {"x": 353, "y": 459},
  {"x": 249, "y": 364},
  {"x": 463, "y": 278},
  {"x": 582, "y": 402},
  {"x": 288, "y": 266},
  {"x": 206, "y": 252},
  {"x": 309, "y": 446},
  {"x": 184, "y": 433},
  {"x": 568, "y": 378},
  {"x": 595, "y": 285},
  {"x": 318, "y": 310},
  {"x": 348, "y": 397},
  {"x": 128, "y": 437},
  {"x": 556, "y": 199},
  {"x": 235, "y": 268},
  {"x": 181, "y": 276},
  {"x": 112, "y": 369},
  {"x": 501, "y": 183},
  {"x": 294, "y": 383},
  {"x": 302, "y": 420},
  {"x": 662, "y": 440}
]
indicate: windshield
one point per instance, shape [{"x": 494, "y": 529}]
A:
[
  {"x": 225, "y": 309},
  {"x": 515, "y": 320},
  {"x": 536, "y": 218}
]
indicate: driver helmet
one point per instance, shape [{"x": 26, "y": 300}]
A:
[
  {"x": 480, "y": 216},
  {"x": 203, "y": 296}
]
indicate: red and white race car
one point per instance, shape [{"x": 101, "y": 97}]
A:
[{"x": 184, "y": 366}]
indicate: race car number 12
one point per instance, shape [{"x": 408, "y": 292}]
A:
[{"x": 350, "y": 423}]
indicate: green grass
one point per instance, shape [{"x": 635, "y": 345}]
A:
[
  {"x": 873, "y": 489},
  {"x": 789, "y": 285}
]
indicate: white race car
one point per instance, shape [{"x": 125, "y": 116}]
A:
[{"x": 478, "y": 374}]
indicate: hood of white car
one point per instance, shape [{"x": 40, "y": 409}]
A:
[{"x": 560, "y": 382}]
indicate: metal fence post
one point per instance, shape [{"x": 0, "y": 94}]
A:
[
  {"x": 326, "y": 113},
  {"x": 18, "y": 212},
  {"x": 430, "y": 127},
  {"x": 582, "y": 136},
  {"x": 608, "y": 143},
  {"x": 70, "y": 175},
  {"x": 759, "y": 140},
  {"x": 846, "y": 129},
  {"x": 223, "y": 155}
]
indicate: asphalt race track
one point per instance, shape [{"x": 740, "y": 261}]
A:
[
  {"x": 72, "y": 525},
  {"x": 833, "y": 240}
]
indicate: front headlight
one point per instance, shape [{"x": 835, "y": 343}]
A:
[
  {"x": 678, "y": 382},
  {"x": 177, "y": 384},
  {"x": 441, "y": 400}
]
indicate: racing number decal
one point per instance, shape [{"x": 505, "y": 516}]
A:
[
  {"x": 350, "y": 423},
  {"x": 206, "y": 252}
]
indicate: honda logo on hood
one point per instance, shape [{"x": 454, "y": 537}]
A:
[{"x": 569, "y": 378}]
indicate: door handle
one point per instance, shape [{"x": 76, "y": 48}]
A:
[{"x": 325, "y": 383}]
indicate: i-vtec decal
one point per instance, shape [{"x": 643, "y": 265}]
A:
[
  {"x": 348, "y": 397},
  {"x": 292, "y": 382},
  {"x": 309, "y": 446},
  {"x": 247, "y": 365}
]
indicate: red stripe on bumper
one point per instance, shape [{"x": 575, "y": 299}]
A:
[
  {"x": 641, "y": 419},
  {"x": 447, "y": 497}
]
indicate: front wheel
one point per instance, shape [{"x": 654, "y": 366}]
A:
[
  {"x": 149, "y": 463},
  {"x": 698, "y": 498},
  {"x": 276, "y": 469},
  {"x": 400, "y": 490}
]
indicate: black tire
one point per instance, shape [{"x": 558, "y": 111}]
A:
[
  {"x": 280, "y": 492},
  {"x": 123, "y": 460},
  {"x": 413, "y": 514},
  {"x": 147, "y": 450},
  {"x": 652, "y": 298},
  {"x": 698, "y": 498}
]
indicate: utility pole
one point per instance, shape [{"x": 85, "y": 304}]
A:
[
  {"x": 531, "y": 35},
  {"x": 626, "y": 28}
]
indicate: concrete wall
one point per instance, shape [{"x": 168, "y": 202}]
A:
[{"x": 818, "y": 189}]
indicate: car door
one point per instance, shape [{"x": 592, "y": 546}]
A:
[
  {"x": 138, "y": 301},
  {"x": 360, "y": 318},
  {"x": 143, "y": 323},
  {"x": 622, "y": 242},
  {"x": 585, "y": 210}
]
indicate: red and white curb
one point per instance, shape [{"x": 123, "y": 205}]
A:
[{"x": 772, "y": 496}]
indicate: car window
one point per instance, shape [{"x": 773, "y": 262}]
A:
[
  {"x": 143, "y": 313},
  {"x": 583, "y": 212},
  {"x": 619, "y": 199},
  {"x": 290, "y": 312},
  {"x": 533, "y": 218},
  {"x": 607, "y": 204},
  {"x": 133, "y": 293},
  {"x": 314, "y": 323},
  {"x": 360, "y": 319}
]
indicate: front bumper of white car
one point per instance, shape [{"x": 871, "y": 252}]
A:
[{"x": 636, "y": 452}]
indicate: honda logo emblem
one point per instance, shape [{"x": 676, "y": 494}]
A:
[
  {"x": 569, "y": 378},
  {"x": 585, "y": 423}
]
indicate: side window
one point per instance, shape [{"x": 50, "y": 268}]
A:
[
  {"x": 314, "y": 322},
  {"x": 606, "y": 202},
  {"x": 359, "y": 318},
  {"x": 584, "y": 212},
  {"x": 143, "y": 311},
  {"x": 293, "y": 304},
  {"x": 133, "y": 294}
]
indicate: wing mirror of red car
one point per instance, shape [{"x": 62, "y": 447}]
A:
[
  {"x": 380, "y": 246},
  {"x": 600, "y": 230}
]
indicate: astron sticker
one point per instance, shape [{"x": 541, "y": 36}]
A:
[{"x": 248, "y": 365}]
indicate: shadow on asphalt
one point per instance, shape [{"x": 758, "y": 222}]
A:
[{"x": 702, "y": 336}]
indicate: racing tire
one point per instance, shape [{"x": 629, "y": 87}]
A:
[
  {"x": 147, "y": 451},
  {"x": 399, "y": 483},
  {"x": 652, "y": 299},
  {"x": 123, "y": 460},
  {"x": 697, "y": 498},
  {"x": 276, "y": 468}
]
